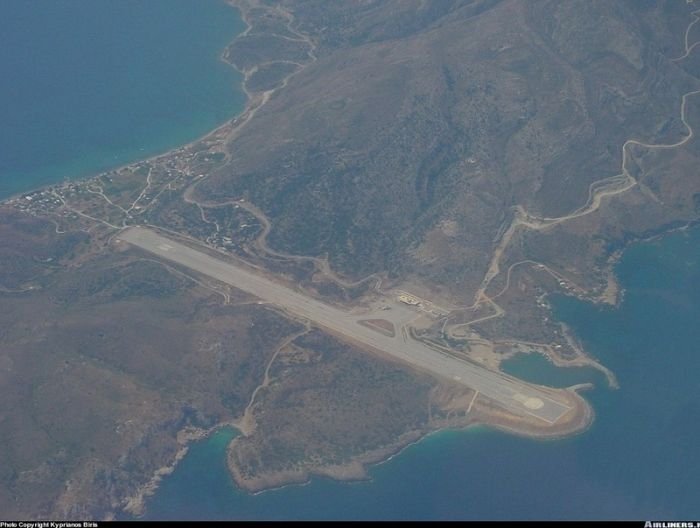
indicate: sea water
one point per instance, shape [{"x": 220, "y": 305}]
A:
[
  {"x": 536, "y": 368},
  {"x": 89, "y": 85},
  {"x": 639, "y": 460}
]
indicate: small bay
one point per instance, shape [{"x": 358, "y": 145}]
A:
[{"x": 536, "y": 368}]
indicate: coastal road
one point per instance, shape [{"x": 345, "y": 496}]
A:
[{"x": 515, "y": 395}]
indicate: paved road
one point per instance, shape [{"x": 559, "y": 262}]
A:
[{"x": 517, "y": 396}]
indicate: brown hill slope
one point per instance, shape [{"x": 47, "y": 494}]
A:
[{"x": 408, "y": 141}]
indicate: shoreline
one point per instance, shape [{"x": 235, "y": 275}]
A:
[
  {"x": 230, "y": 121},
  {"x": 358, "y": 468}
]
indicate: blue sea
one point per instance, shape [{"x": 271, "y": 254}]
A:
[
  {"x": 639, "y": 460},
  {"x": 89, "y": 85}
]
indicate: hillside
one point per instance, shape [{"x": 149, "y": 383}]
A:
[{"x": 414, "y": 129}]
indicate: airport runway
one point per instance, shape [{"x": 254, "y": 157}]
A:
[{"x": 514, "y": 394}]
